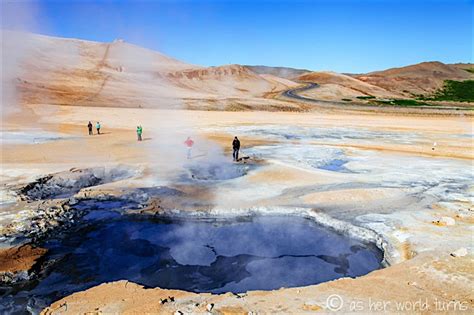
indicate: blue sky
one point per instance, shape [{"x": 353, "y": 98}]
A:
[{"x": 344, "y": 36}]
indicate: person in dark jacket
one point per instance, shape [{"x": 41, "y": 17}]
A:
[
  {"x": 236, "y": 148},
  {"x": 89, "y": 126}
]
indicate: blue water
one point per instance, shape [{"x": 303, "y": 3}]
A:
[
  {"x": 336, "y": 165},
  {"x": 259, "y": 253}
]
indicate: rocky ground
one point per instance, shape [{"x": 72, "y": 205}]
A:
[{"x": 403, "y": 182}]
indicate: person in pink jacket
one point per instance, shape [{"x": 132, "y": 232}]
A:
[{"x": 189, "y": 144}]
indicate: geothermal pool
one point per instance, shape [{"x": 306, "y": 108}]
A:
[{"x": 199, "y": 255}]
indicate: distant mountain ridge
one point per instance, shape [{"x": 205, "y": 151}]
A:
[
  {"x": 404, "y": 82},
  {"x": 282, "y": 72},
  {"x": 50, "y": 70},
  {"x": 419, "y": 79}
]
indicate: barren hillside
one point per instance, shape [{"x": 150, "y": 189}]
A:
[
  {"x": 423, "y": 78},
  {"x": 463, "y": 66},
  {"x": 282, "y": 72},
  {"x": 228, "y": 80},
  {"x": 52, "y": 70},
  {"x": 336, "y": 86}
]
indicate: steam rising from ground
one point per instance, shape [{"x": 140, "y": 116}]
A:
[
  {"x": 13, "y": 52},
  {"x": 206, "y": 156},
  {"x": 17, "y": 16}
]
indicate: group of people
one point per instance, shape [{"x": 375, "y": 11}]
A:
[
  {"x": 97, "y": 126},
  {"x": 235, "y": 148},
  {"x": 188, "y": 143}
]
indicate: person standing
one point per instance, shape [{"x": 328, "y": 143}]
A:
[
  {"x": 236, "y": 148},
  {"x": 189, "y": 144},
  {"x": 89, "y": 126},
  {"x": 97, "y": 126},
  {"x": 139, "y": 133}
]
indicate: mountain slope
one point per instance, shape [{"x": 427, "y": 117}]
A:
[
  {"x": 423, "y": 78},
  {"x": 228, "y": 80},
  {"x": 282, "y": 72},
  {"x": 63, "y": 71},
  {"x": 336, "y": 86}
]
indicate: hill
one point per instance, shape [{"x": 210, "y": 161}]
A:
[
  {"x": 335, "y": 86},
  {"x": 282, "y": 72},
  {"x": 49, "y": 70},
  {"x": 420, "y": 79}
]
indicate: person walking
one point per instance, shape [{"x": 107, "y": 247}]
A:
[
  {"x": 97, "y": 126},
  {"x": 89, "y": 126},
  {"x": 139, "y": 133},
  {"x": 189, "y": 144},
  {"x": 236, "y": 148}
]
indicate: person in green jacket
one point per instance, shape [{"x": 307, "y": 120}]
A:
[{"x": 139, "y": 133}]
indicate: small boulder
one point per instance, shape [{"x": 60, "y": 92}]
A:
[
  {"x": 209, "y": 307},
  {"x": 311, "y": 306},
  {"x": 461, "y": 252}
]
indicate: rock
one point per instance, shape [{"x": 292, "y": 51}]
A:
[
  {"x": 16, "y": 263},
  {"x": 239, "y": 295},
  {"x": 69, "y": 183},
  {"x": 178, "y": 313},
  {"x": 461, "y": 252},
  {"x": 163, "y": 301},
  {"x": 209, "y": 307},
  {"x": 311, "y": 306}
]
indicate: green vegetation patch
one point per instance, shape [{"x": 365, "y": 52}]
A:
[
  {"x": 367, "y": 97},
  {"x": 402, "y": 102},
  {"x": 408, "y": 102},
  {"x": 456, "y": 91},
  {"x": 461, "y": 91},
  {"x": 471, "y": 70}
]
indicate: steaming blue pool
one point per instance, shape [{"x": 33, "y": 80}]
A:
[{"x": 196, "y": 255}]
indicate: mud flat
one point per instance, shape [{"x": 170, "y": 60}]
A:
[{"x": 382, "y": 178}]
